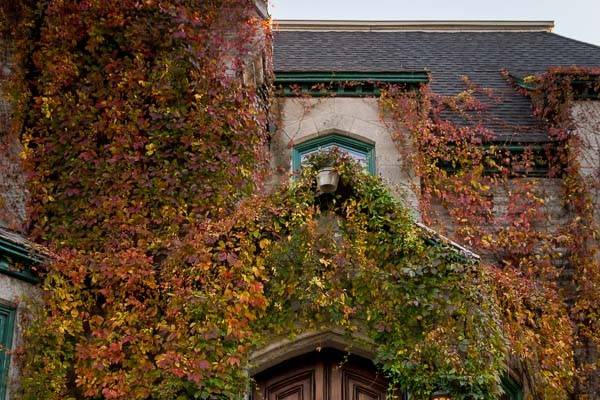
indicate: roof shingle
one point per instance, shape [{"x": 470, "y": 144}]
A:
[{"x": 448, "y": 56}]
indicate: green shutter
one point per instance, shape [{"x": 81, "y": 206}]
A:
[{"x": 7, "y": 325}]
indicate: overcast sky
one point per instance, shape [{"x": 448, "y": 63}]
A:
[{"x": 577, "y": 19}]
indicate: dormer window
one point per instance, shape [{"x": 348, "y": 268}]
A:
[{"x": 362, "y": 152}]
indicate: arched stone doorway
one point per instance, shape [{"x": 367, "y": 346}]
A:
[
  {"x": 296, "y": 369},
  {"x": 328, "y": 374}
]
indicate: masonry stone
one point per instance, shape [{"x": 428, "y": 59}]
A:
[
  {"x": 19, "y": 295},
  {"x": 303, "y": 119}
]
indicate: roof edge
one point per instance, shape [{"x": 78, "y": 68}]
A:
[
  {"x": 439, "y": 238},
  {"x": 433, "y": 26}
]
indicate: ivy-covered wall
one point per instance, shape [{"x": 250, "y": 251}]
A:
[
  {"x": 537, "y": 234},
  {"x": 144, "y": 127},
  {"x": 136, "y": 129},
  {"x": 12, "y": 179},
  {"x": 506, "y": 218},
  {"x": 586, "y": 119}
]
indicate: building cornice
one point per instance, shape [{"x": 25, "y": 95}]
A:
[
  {"x": 423, "y": 26},
  {"x": 16, "y": 248}
]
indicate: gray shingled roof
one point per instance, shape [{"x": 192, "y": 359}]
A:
[{"x": 448, "y": 56}]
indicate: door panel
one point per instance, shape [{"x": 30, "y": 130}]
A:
[
  {"x": 297, "y": 387},
  {"x": 359, "y": 387},
  {"x": 299, "y": 379},
  {"x": 327, "y": 375}
]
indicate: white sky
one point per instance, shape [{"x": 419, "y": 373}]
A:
[{"x": 577, "y": 19}]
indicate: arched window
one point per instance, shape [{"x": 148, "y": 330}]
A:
[{"x": 362, "y": 152}]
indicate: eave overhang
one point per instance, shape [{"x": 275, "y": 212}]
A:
[
  {"x": 434, "y": 238},
  {"x": 16, "y": 249},
  {"x": 335, "y": 76}
]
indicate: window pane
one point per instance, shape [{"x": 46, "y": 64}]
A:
[{"x": 358, "y": 156}]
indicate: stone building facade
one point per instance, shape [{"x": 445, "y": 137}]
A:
[
  {"x": 17, "y": 254},
  {"x": 309, "y": 52},
  {"x": 19, "y": 257}
]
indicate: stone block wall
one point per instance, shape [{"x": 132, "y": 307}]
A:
[
  {"x": 303, "y": 119},
  {"x": 16, "y": 294},
  {"x": 586, "y": 115},
  {"x": 12, "y": 178},
  {"x": 245, "y": 54}
]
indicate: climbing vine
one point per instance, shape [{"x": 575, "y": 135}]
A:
[
  {"x": 357, "y": 260},
  {"x": 137, "y": 129},
  {"x": 496, "y": 205},
  {"x": 553, "y": 95},
  {"x": 145, "y": 141},
  {"x": 145, "y": 156}
]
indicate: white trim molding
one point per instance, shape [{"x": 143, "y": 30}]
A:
[{"x": 423, "y": 26}]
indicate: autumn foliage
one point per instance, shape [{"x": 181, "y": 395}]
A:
[
  {"x": 528, "y": 254},
  {"x": 146, "y": 155},
  {"x": 137, "y": 130}
]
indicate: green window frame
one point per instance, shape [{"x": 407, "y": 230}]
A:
[
  {"x": 512, "y": 390},
  {"x": 7, "y": 326},
  {"x": 342, "y": 142}
]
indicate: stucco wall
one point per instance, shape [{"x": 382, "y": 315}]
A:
[{"x": 359, "y": 118}]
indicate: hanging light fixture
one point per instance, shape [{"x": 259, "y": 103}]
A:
[{"x": 327, "y": 180}]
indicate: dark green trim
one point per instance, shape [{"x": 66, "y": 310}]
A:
[
  {"x": 583, "y": 89},
  {"x": 342, "y": 141},
  {"x": 521, "y": 83},
  {"x": 23, "y": 275},
  {"x": 327, "y": 77},
  {"x": 11, "y": 252},
  {"x": 511, "y": 388},
  {"x": 343, "y": 84},
  {"x": 540, "y": 168},
  {"x": 586, "y": 89},
  {"x": 7, "y": 314},
  {"x": 20, "y": 252}
]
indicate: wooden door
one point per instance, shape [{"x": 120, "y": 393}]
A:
[{"x": 326, "y": 375}]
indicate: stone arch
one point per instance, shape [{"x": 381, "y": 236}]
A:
[
  {"x": 336, "y": 131},
  {"x": 283, "y": 349}
]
